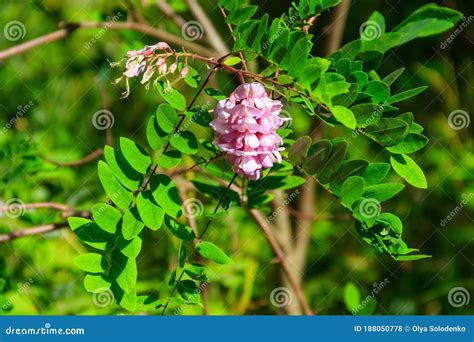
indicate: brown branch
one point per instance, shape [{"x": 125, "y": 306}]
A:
[
  {"x": 212, "y": 35},
  {"x": 48, "y": 38},
  {"x": 335, "y": 30},
  {"x": 282, "y": 259},
  {"x": 241, "y": 54},
  {"x": 138, "y": 27},
  {"x": 32, "y": 231},
  {"x": 169, "y": 11},
  {"x": 39, "y": 205},
  {"x": 90, "y": 157}
]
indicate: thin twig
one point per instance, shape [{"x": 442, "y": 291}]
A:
[
  {"x": 32, "y": 231},
  {"x": 38, "y": 205},
  {"x": 260, "y": 220},
  {"x": 87, "y": 159},
  {"x": 241, "y": 54},
  {"x": 138, "y": 27}
]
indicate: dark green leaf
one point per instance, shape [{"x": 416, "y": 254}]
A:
[
  {"x": 131, "y": 224},
  {"x": 352, "y": 190},
  {"x": 166, "y": 194},
  {"x": 185, "y": 142},
  {"x": 150, "y": 212},
  {"x": 116, "y": 191},
  {"x": 135, "y": 155}
]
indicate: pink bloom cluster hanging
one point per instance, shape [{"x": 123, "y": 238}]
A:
[
  {"x": 151, "y": 60},
  {"x": 245, "y": 124}
]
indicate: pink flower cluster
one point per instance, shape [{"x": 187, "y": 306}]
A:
[
  {"x": 246, "y": 124},
  {"x": 150, "y": 60}
]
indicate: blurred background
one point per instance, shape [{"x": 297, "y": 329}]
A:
[{"x": 50, "y": 94}]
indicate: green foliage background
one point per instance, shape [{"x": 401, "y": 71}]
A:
[{"x": 62, "y": 82}]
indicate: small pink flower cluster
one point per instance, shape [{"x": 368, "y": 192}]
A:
[
  {"x": 246, "y": 124},
  {"x": 151, "y": 59}
]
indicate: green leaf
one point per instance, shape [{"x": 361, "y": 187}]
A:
[
  {"x": 169, "y": 159},
  {"x": 90, "y": 262},
  {"x": 124, "y": 271},
  {"x": 352, "y": 190},
  {"x": 387, "y": 131},
  {"x": 410, "y": 144},
  {"x": 135, "y": 155},
  {"x": 166, "y": 194},
  {"x": 131, "y": 224},
  {"x": 193, "y": 78},
  {"x": 351, "y": 296},
  {"x": 378, "y": 90},
  {"x": 318, "y": 153},
  {"x": 96, "y": 283},
  {"x": 393, "y": 76},
  {"x": 179, "y": 230},
  {"x": 128, "y": 301},
  {"x": 185, "y": 142},
  {"x": 122, "y": 170},
  {"x": 106, "y": 217},
  {"x": 384, "y": 191},
  {"x": 404, "y": 95},
  {"x": 116, "y": 191},
  {"x": 299, "y": 150},
  {"x": 232, "y": 61},
  {"x": 166, "y": 117},
  {"x": 367, "y": 113},
  {"x": 333, "y": 162},
  {"x": 348, "y": 168},
  {"x": 411, "y": 257},
  {"x": 210, "y": 251},
  {"x": 393, "y": 221},
  {"x": 282, "y": 182},
  {"x": 130, "y": 248},
  {"x": 345, "y": 116},
  {"x": 181, "y": 254},
  {"x": 172, "y": 96},
  {"x": 156, "y": 137},
  {"x": 89, "y": 232},
  {"x": 151, "y": 214},
  {"x": 375, "y": 173},
  {"x": 409, "y": 170}
]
